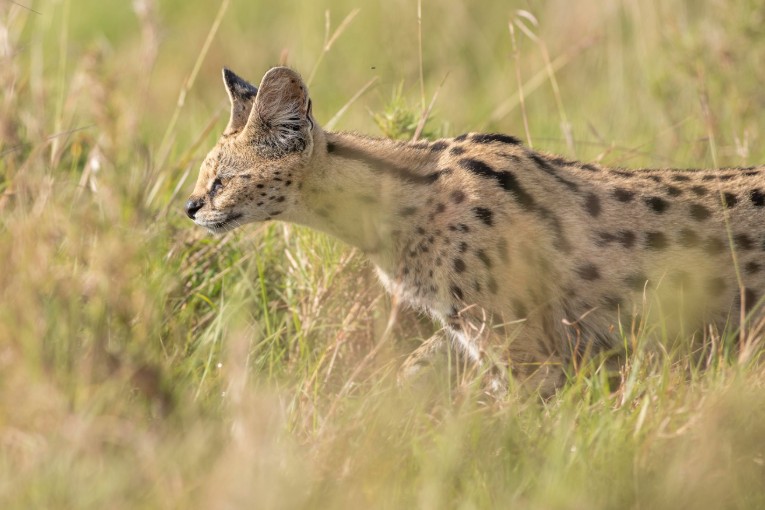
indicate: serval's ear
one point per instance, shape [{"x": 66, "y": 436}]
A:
[
  {"x": 242, "y": 95},
  {"x": 281, "y": 119}
]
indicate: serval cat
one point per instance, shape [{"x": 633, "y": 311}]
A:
[{"x": 530, "y": 261}]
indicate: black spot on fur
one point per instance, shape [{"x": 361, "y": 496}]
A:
[
  {"x": 674, "y": 191},
  {"x": 752, "y": 267},
  {"x": 657, "y": 205},
  {"x": 588, "y": 272},
  {"x": 461, "y": 138},
  {"x": 699, "y": 191},
  {"x": 484, "y": 258},
  {"x": 519, "y": 309},
  {"x": 743, "y": 242},
  {"x": 495, "y": 137},
  {"x": 688, "y": 238},
  {"x": 459, "y": 265},
  {"x": 458, "y": 197},
  {"x": 612, "y": 302},
  {"x": 624, "y": 237},
  {"x": 750, "y": 299},
  {"x": 730, "y": 200},
  {"x": 485, "y": 215},
  {"x": 439, "y": 146},
  {"x": 457, "y": 150},
  {"x": 656, "y": 241},
  {"x": 680, "y": 178},
  {"x": 560, "y": 242},
  {"x": 623, "y": 195},
  {"x": 716, "y": 285},
  {"x": 757, "y": 197},
  {"x": 714, "y": 246},
  {"x": 592, "y": 205},
  {"x": 463, "y": 247},
  {"x": 699, "y": 212},
  {"x": 636, "y": 281},
  {"x": 440, "y": 208}
]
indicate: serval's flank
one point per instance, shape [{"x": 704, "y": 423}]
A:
[{"x": 530, "y": 261}]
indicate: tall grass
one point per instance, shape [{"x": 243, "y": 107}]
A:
[{"x": 145, "y": 364}]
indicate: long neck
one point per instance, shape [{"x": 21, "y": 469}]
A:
[{"x": 362, "y": 191}]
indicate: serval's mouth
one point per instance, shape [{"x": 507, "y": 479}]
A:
[{"x": 223, "y": 226}]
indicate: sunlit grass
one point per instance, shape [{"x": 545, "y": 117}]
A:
[{"x": 146, "y": 364}]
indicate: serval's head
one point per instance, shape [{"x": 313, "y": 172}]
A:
[{"x": 253, "y": 172}]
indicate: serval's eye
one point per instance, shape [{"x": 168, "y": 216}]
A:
[{"x": 216, "y": 186}]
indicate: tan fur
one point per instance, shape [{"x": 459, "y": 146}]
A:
[{"x": 529, "y": 261}]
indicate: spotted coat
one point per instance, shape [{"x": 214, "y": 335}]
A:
[{"x": 530, "y": 261}]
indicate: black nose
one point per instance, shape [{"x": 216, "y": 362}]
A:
[{"x": 192, "y": 206}]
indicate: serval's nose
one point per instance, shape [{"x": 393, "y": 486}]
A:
[{"x": 193, "y": 205}]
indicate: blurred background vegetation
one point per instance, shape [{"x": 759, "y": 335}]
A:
[{"x": 144, "y": 364}]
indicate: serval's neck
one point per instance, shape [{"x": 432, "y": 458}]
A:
[{"x": 362, "y": 190}]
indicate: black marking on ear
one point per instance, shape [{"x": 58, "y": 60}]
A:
[
  {"x": 237, "y": 87},
  {"x": 308, "y": 114}
]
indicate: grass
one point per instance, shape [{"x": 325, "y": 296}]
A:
[{"x": 144, "y": 364}]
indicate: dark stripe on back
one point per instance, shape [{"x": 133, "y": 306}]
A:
[
  {"x": 495, "y": 137},
  {"x": 506, "y": 179},
  {"x": 510, "y": 183},
  {"x": 546, "y": 167},
  {"x": 381, "y": 166}
]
